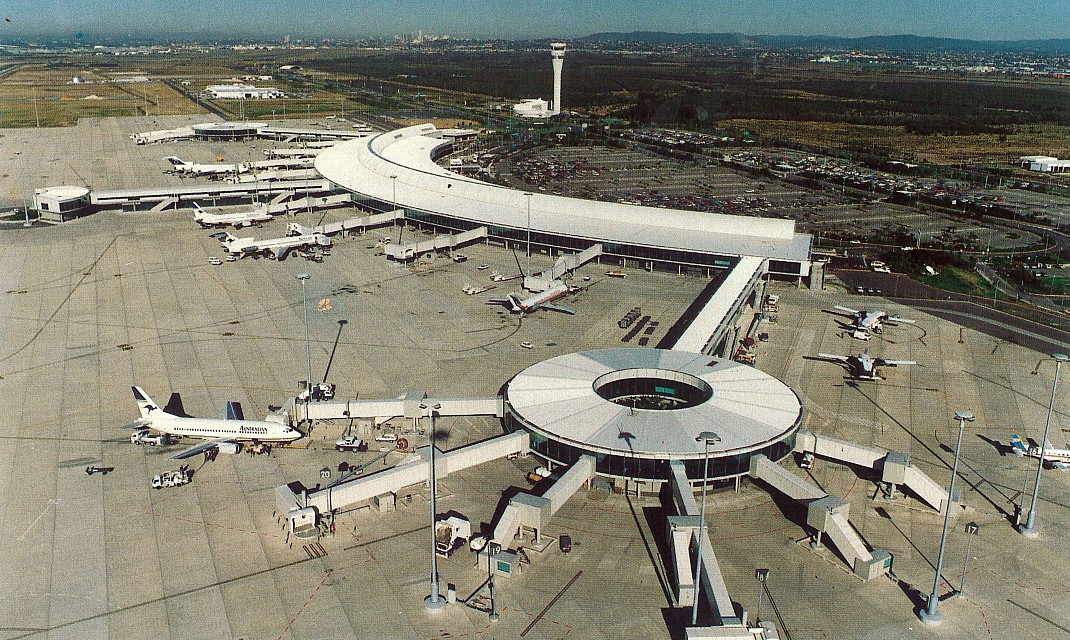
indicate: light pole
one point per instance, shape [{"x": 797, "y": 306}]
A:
[
  {"x": 971, "y": 530},
  {"x": 760, "y": 575},
  {"x": 434, "y": 602},
  {"x": 394, "y": 197},
  {"x": 706, "y": 437},
  {"x": 527, "y": 196},
  {"x": 1028, "y": 529},
  {"x": 303, "y": 277},
  {"x": 490, "y": 581},
  {"x": 930, "y": 615}
]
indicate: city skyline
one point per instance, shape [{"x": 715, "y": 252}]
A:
[{"x": 961, "y": 19}]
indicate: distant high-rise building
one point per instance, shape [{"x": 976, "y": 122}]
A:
[{"x": 557, "y": 53}]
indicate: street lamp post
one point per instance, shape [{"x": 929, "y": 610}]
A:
[
  {"x": 527, "y": 196},
  {"x": 971, "y": 530},
  {"x": 1028, "y": 529},
  {"x": 490, "y": 581},
  {"x": 303, "y": 277},
  {"x": 930, "y": 615},
  {"x": 760, "y": 575},
  {"x": 706, "y": 437},
  {"x": 434, "y": 602}
]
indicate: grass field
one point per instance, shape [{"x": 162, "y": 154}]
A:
[{"x": 35, "y": 94}]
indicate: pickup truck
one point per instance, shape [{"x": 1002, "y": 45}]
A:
[
  {"x": 350, "y": 443},
  {"x": 175, "y": 478},
  {"x": 143, "y": 436}
]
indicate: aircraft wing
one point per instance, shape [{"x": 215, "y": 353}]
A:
[
  {"x": 199, "y": 448},
  {"x": 849, "y": 310},
  {"x": 903, "y": 320},
  {"x": 881, "y": 362},
  {"x": 829, "y": 356},
  {"x": 558, "y": 307}
]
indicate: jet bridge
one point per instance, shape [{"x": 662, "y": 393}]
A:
[
  {"x": 895, "y": 466},
  {"x": 827, "y": 514},
  {"x": 409, "y": 252},
  {"x": 531, "y": 512},
  {"x": 565, "y": 264},
  {"x": 357, "y": 223},
  {"x": 407, "y": 406},
  {"x": 414, "y": 470}
]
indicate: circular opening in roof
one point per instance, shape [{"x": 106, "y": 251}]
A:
[{"x": 653, "y": 389}]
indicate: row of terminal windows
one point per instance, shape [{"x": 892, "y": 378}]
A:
[
  {"x": 648, "y": 468},
  {"x": 655, "y": 254}
]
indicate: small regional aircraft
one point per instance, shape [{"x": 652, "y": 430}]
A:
[
  {"x": 223, "y": 435},
  {"x": 1056, "y": 458},
  {"x": 515, "y": 304},
  {"x": 181, "y": 167},
  {"x": 864, "y": 322},
  {"x": 862, "y": 366},
  {"x": 237, "y": 219}
]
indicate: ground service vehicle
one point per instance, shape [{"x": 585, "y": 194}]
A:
[
  {"x": 175, "y": 478},
  {"x": 350, "y": 443}
]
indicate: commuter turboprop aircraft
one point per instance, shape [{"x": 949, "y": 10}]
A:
[
  {"x": 223, "y": 435},
  {"x": 868, "y": 321},
  {"x": 1057, "y": 458},
  {"x": 862, "y": 366},
  {"x": 237, "y": 219}
]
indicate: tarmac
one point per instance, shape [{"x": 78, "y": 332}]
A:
[{"x": 91, "y": 307}]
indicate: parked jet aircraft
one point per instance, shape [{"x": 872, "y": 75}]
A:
[
  {"x": 542, "y": 300},
  {"x": 862, "y": 366},
  {"x": 864, "y": 322},
  {"x": 181, "y": 167},
  {"x": 237, "y": 219},
  {"x": 273, "y": 248},
  {"x": 223, "y": 435},
  {"x": 1057, "y": 458}
]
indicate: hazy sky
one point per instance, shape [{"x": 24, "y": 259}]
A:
[{"x": 973, "y": 19}]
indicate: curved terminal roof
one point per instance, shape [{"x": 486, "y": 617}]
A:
[
  {"x": 64, "y": 192},
  {"x": 397, "y": 167},
  {"x": 748, "y": 409}
]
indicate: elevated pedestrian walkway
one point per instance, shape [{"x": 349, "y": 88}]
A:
[
  {"x": 826, "y": 514},
  {"x": 565, "y": 264},
  {"x": 414, "y": 470},
  {"x": 530, "y": 513},
  {"x": 894, "y": 466},
  {"x": 409, "y": 252}
]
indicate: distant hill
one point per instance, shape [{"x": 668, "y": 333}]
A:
[{"x": 887, "y": 43}]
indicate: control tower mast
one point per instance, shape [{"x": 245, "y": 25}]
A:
[{"x": 557, "y": 53}]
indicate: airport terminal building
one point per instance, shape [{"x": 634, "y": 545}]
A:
[{"x": 397, "y": 169}]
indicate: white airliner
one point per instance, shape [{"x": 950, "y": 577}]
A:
[
  {"x": 867, "y": 321},
  {"x": 223, "y": 435},
  {"x": 543, "y": 300},
  {"x": 181, "y": 167},
  {"x": 862, "y": 366},
  {"x": 1057, "y": 458},
  {"x": 277, "y": 248},
  {"x": 237, "y": 219}
]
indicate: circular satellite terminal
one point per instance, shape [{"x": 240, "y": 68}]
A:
[{"x": 637, "y": 410}]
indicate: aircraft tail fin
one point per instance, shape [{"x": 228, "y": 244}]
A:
[
  {"x": 176, "y": 161},
  {"x": 1017, "y": 446},
  {"x": 145, "y": 405}
]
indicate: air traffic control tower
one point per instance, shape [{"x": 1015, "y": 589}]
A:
[{"x": 557, "y": 53}]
